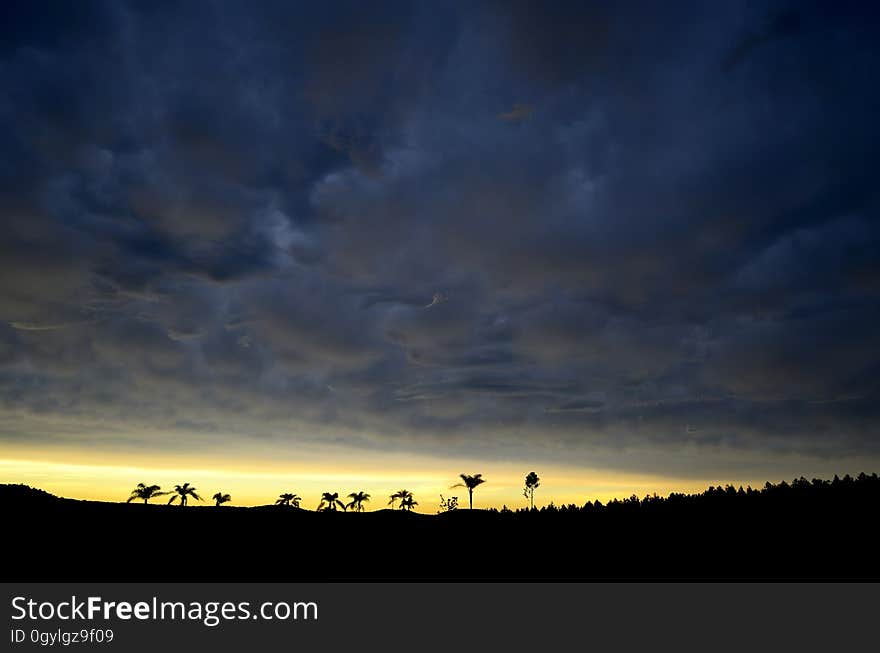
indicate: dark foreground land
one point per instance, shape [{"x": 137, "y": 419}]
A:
[{"x": 803, "y": 530}]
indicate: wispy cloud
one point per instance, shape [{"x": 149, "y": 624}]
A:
[{"x": 43, "y": 326}]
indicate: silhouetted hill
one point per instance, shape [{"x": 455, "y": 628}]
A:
[
  {"x": 800, "y": 530},
  {"x": 10, "y": 493}
]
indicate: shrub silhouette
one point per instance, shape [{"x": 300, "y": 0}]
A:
[
  {"x": 220, "y": 498},
  {"x": 447, "y": 505}
]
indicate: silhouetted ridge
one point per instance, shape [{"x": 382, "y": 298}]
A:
[
  {"x": 21, "y": 492},
  {"x": 805, "y": 529}
]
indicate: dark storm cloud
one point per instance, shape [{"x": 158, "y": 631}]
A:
[{"x": 546, "y": 229}]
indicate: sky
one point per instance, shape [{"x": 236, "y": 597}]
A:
[{"x": 276, "y": 246}]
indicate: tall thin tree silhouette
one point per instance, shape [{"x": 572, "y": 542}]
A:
[
  {"x": 532, "y": 481},
  {"x": 183, "y": 492},
  {"x": 329, "y": 501},
  {"x": 145, "y": 492},
  {"x": 400, "y": 495},
  {"x": 357, "y": 500},
  {"x": 470, "y": 482},
  {"x": 288, "y": 499},
  {"x": 220, "y": 498}
]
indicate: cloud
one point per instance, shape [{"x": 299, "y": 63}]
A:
[
  {"x": 338, "y": 239},
  {"x": 578, "y": 405},
  {"x": 438, "y": 298},
  {"x": 31, "y": 326}
]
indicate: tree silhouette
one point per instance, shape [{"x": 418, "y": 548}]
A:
[
  {"x": 448, "y": 505},
  {"x": 470, "y": 482},
  {"x": 145, "y": 492},
  {"x": 329, "y": 501},
  {"x": 532, "y": 481},
  {"x": 288, "y": 499},
  {"x": 357, "y": 500},
  {"x": 183, "y": 492},
  {"x": 401, "y": 495},
  {"x": 834, "y": 542},
  {"x": 221, "y": 498},
  {"x": 407, "y": 503}
]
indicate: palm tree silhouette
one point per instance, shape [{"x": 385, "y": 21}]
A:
[
  {"x": 329, "y": 501},
  {"x": 183, "y": 492},
  {"x": 145, "y": 492},
  {"x": 407, "y": 503},
  {"x": 221, "y": 498},
  {"x": 357, "y": 500},
  {"x": 402, "y": 495},
  {"x": 470, "y": 482},
  {"x": 288, "y": 499}
]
